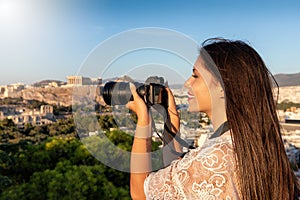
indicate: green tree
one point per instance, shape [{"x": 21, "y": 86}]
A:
[
  {"x": 287, "y": 104},
  {"x": 8, "y": 123},
  {"x": 106, "y": 122},
  {"x": 68, "y": 182}
]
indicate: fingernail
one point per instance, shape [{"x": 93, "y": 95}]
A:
[{"x": 131, "y": 86}]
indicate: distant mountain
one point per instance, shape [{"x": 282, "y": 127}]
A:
[
  {"x": 176, "y": 86},
  {"x": 125, "y": 79},
  {"x": 288, "y": 79},
  {"x": 44, "y": 83},
  {"x": 109, "y": 79}
]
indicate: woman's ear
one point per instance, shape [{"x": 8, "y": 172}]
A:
[
  {"x": 220, "y": 90},
  {"x": 222, "y": 94}
]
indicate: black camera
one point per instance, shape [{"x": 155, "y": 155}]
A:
[{"x": 152, "y": 92}]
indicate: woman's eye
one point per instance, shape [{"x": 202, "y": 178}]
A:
[{"x": 194, "y": 75}]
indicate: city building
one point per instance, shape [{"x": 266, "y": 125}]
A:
[
  {"x": 80, "y": 80},
  {"x": 21, "y": 116},
  {"x": 11, "y": 90},
  {"x": 289, "y": 93}
]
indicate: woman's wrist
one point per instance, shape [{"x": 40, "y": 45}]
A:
[
  {"x": 143, "y": 132},
  {"x": 143, "y": 118}
]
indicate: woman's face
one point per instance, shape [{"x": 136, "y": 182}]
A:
[{"x": 198, "y": 93}]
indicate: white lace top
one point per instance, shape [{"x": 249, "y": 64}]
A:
[{"x": 208, "y": 172}]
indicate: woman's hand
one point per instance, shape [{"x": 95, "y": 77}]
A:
[
  {"x": 139, "y": 107},
  {"x": 140, "y": 153}
]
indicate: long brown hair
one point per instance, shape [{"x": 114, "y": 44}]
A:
[{"x": 264, "y": 171}]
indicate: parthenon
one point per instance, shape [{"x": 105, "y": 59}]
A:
[{"x": 80, "y": 80}]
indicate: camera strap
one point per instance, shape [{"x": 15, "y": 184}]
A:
[
  {"x": 182, "y": 142},
  {"x": 177, "y": 138},
  {"x": 220, "y": 131}
]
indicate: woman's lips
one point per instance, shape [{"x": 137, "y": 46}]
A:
[{"x": 190, "y": 96}]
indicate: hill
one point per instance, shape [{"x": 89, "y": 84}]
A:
[
  {"x": 284, "y": 80},
  {"x": 44, "y": 83},
  {"x": 58, "y": 95}
]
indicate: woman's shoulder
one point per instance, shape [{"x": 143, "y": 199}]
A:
[
  {"x": 222, "y": 143},
  {"x": 205, "y": 172},
  {"x": 214, "y": 150}
]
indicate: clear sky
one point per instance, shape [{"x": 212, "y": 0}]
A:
[{"x": 50, "y": 39}]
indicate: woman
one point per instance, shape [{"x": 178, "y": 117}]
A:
[{"x": 230, "y": 83}]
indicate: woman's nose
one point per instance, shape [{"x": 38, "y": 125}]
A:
[{"x": 187, "y": 83}]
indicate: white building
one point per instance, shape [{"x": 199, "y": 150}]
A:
[
  {"x": 11, "y": 90},
  {"x": 80, "y": 80},
  {"x": 22, "y": 116}
]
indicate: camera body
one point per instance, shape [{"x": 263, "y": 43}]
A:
[{"x": 152, "y": 92}]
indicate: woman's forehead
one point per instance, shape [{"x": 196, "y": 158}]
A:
[{"x": 199, "y": 66}]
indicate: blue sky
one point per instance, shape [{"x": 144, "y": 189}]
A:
[{"x": 50, "y": 39}]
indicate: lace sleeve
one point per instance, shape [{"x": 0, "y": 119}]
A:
[{"x": 204, "y": 173}]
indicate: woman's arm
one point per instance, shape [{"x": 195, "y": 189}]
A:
[
  {"x": 140, "y": 166},
  {"x": 140, "y": 163}
]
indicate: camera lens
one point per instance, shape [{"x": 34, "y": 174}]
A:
[{"x": 116, "y": 93}]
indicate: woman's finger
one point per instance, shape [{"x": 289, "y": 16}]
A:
[
  {"x": 129, "y": 105},
  {"x": 133, "y": 91},
  {"x": 171, "y": 102},
  {"x": 137, "y": 105},
  {"x": 170, "y": 97}
]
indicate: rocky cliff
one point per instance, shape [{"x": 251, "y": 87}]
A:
[
  {"x": 63, "y": 96},
  {"x": 57, "y": 95}
]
